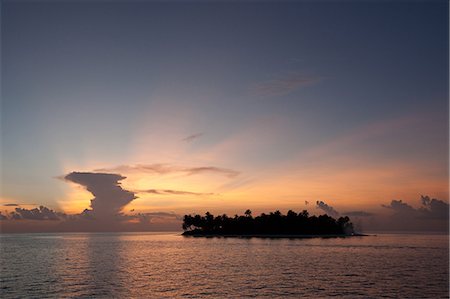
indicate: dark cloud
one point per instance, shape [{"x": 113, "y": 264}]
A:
[
  {"x": 434, "y": 208},
  {"x": 109, "y": 197},
  {"x": 327, "y": 209},
  {"x": 192, "y": 137},
  {"x": 283, "y": 84},
  {"x": 357, "y": 214},
  {"x": 41, "y": 213},
  {"x": 430, "y": 208},
  {"x": 149, "y": 217},
  {"x": 104, "y": 215},
  {"x": 85, "y": 222},
  {"x": 11, "y": 205},
  {"x": 173, "y": 192},
  {"x": 162, "y": 169},
  {"x": 398, "y": 206},
  {"x": 432, "y": 215}
]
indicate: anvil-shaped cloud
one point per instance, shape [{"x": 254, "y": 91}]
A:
[{"x": 109, "y": 198}]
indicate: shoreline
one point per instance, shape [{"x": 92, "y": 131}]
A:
[{"x": 271, "y": 236}]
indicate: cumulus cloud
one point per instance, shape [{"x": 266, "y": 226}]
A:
[
  {"x": 398, "y": 206},
  {"x": 192, "y": 137},
  {"x": 162, "y": 169},
  {"x": 105, "y": 212},
  {"x": 282, "y": 85},
  {"x": 41, "y": 213},
  {"x": 327, "y": 209},
  {"x": 434, "y": 208},
  {"x": 430, "y": 208},
  {"x": 173, "y": 192},
  {"x": 109, "y": 197},
  {"x": 433, "y": 214},
  {"x": 34, "y": 221}
]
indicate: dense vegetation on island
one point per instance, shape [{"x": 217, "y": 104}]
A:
[{"x": 273, "y": 223}]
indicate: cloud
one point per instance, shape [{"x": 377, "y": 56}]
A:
[
  {"x": 11, "y": 205},
  {"x": 109, "y": 197},
  {"x": 25, "y": 221},
  {"x": 400, "y": 207},
  {"x": 433, "y": 214},
  {"x": 211, "y": 169},
  {"x": 192, "y": 137},
  {"x": 163, "y": 169},
  {"x": 41, "y": 213},
  {"x": 173, "y": 192},
  {"x": 105, "y": 213},
  {"x": 150, "y": 168},
  {"x": 327, "y": 209},
  {"x": 434, "y": 208},
  {"x": 357, "y": 214},
  {"x": 149, "y": 217},
  {"x": 283, "y": 84}
]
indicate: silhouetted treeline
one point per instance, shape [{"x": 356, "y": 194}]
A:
[{"x": 273, "y": 223}]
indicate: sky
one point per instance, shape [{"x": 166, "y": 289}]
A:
[{"x": 126, "y": 115}]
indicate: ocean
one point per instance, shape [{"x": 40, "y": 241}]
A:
[{"x": 167, "y": 265}]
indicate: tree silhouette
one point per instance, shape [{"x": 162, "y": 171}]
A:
[{"x": 275, "y": 223}]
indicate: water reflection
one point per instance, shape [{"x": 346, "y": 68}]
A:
[
  {"x": 156, "y": 266},
  {"x": 90, "y": 264},
  {"x": 105, "y": 255}
]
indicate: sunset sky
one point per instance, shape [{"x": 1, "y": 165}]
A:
[{"x": 224, "y": 106}]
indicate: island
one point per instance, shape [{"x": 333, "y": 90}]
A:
[{"x": 272, "y": 225}]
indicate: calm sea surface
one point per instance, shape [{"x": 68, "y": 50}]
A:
[{"x": 148, "y": 265}]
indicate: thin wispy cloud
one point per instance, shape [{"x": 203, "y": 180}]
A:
[
  {"x": 358, "y": 214},
  {"x": 162, "y": 169},
  {"x": 211, "y": 169},
  {"x": 283, "y": 84},
  {"x": 19, "y": 204},
  {"x": 173, "y": 192},
  {"x": 157, "y": 168},
  {"x": 147, "y": 218},
  {"x": 192, "y": 137}
]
